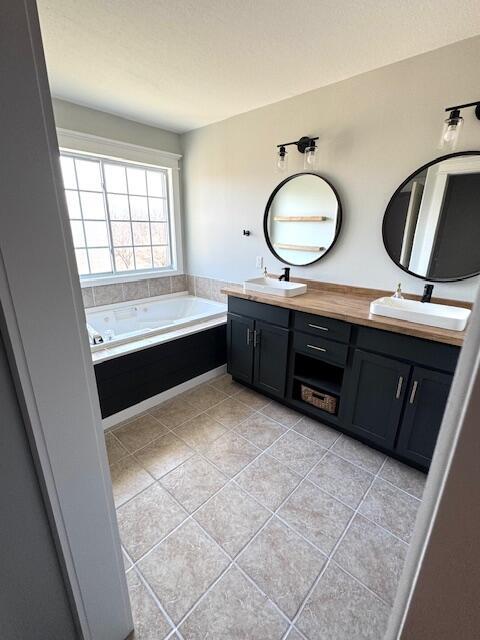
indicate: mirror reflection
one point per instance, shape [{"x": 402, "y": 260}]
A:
[
  {"x": 302, "y": 219},
  {"x": 431, "y": 227}
]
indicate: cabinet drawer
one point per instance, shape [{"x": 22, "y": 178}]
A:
[
  {"x": 321, "y": 348},
  {"x": 322, "y": 327},
  {"x": 259, "y": 311}
]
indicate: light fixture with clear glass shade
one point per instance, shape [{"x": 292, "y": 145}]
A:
[
  {"x": 452, "y": 126},
  {"x": 282, "y": 160},
  {"x": 305, "y": 145},
  {"x": 451, "y": 131},
  {"x": 311, "y": 154}
]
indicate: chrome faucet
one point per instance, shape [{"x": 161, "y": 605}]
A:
[
  {"x": 427, "y": 293},
  {"x": 285, "y": 275}
]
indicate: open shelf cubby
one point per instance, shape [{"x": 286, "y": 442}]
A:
[{"x": 318, "y": 375}]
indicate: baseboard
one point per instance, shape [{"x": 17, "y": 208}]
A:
[{"x": 145, "y": 405}]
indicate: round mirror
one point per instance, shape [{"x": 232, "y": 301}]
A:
[
  {"x": 302, "y": 219},
  {"x": 431, "y": 227}
]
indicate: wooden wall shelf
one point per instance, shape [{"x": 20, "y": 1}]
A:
[
  {"x": 300, "y": 218},
  {"x": 298, "y": 247}
]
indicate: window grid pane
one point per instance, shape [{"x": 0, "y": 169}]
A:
[{"x": 123, "y": 229}]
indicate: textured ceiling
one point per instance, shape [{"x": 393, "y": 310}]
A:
[{"x": 182, "y": 64}]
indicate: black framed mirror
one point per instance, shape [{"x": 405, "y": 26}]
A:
[
  {"x": 431, "y": 226},
  {"x": 302, "y": 219}
]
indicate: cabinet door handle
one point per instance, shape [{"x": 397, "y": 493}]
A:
[
  {"x": 249, "y": 331},
  {"x": 312, "y": 346},
  {"x": 316, "y": 326},
  {"x": 256, "y": 338},
  {"x": 399, "y": 387},
  {"x": 414, "y": 391}
]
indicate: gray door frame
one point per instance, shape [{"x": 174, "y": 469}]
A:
[{"x": 45, "y": 330}]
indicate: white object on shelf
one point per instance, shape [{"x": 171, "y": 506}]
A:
[{"x": 429, "y": 313}]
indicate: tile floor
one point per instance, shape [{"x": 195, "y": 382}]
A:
[{"x": 241, "y": 519}]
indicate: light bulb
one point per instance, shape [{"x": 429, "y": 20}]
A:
[
  {"x": 310, "y": 157},
  {"x": 451, "y": 131},
  {"x": 282, "y": 160}
]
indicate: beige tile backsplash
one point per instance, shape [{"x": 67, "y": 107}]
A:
[{"x": 135, "y": 290}]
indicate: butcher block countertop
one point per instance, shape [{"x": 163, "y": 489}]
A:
[{"x": 352, "y": 304}]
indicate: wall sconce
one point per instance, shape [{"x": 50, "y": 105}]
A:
[
  {"x": 305, "y": 145},
  {"x": 453, "y": 125}
]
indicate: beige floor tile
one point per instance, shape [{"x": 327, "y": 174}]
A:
[
  {"x": 126, "y": 562},
  {"x": 323, "y": 435},
  {"x": 316, "y": 515},
  {"x": 404, "y": 477},
  {"x": 147, "y": 519},
  {"x": 358, "y": 453},
  {"x": 164, "y": 454},
  {"x": 280, "y": 413},
  {"x": 297, "y": 452},
  {"x": 252, "y": 399},
  {"x": 128, "y": 479},
  {"x": 230, "y": 412},
  {"x": 339, "y": 608},
  {"x": 204, "y": 397},
  {"x": 234, "y": 610},
  {"x": 193, "y": 482},
  {"x": 115, "y": 450},
  {"x": 294, "y": 635},
  {"x": 232, "y": 518},
  {"x": 149, "y": 621},
  {"x": 283, "y": 565},
  {"x": 391, "y": 508},
  {"x": 173, "y": 412},
  {"x": 182, "y": 567},
  {"x": 136, "y": 434},
  {"x": 342, "y": 479},
  {"x": 268, "y": 480},
  {"x": 226, "y": 384},
  {"x": 260, "y": 430},
  {"x": 231, "y": 453},
  {"x": 200, "y": 431},
  {"x": 373, "y": 556}
]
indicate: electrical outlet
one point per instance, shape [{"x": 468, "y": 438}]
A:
[{"x": 259, "y": 262}]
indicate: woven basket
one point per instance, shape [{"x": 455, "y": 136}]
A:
[{"x": 323, "y": 401}]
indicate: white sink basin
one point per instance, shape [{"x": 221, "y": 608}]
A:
[
  {"x": 274, "y": 287},
  {"x": 435, "y": 315}
]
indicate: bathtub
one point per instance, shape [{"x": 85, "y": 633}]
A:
[
  {"x": 127, "y": 322},
  {"x": 141, "y": 349}
]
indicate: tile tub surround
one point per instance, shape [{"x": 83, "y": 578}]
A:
[
  {"x": 200, "y": 286},
  {"x": 264, "y": 526}
]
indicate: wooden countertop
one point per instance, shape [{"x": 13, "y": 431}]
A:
[{"x": 351, "y": 305}]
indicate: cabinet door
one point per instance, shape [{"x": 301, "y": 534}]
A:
[
  {"x": 426, "y": 400},
  {"x": 271, "y": 356},
  {"x": 376, "y": 390},
  {"x": 240, "y": 347}
]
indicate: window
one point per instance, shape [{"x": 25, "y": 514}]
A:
[{"x": 120, "y": 215}]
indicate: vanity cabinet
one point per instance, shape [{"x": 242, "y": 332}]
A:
[
  {"x": 257, "y": 348},
  {"x": 424, "y": 407},
  {"x": 376, "y": 394},
  {"x": 390, "y": 389}
]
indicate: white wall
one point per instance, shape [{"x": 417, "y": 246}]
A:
[
  {"x": 375, "y": 129},
  {"x": 85, "y": 120}
]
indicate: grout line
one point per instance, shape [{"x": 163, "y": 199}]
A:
[{"x": 272, "y": 513}]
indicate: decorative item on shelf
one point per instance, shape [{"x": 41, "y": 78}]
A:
[
  {"x": 323, "y": 401},
  {"x": 305, "y": 145},
  {"x": 452, "y": 126}
]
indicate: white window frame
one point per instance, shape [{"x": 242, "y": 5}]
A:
[{"x": 89, "y": 145}]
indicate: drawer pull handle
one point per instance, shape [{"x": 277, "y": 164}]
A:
[
  {"x": 256, "y": 338},
  {"x": 312, "y": 346},
  {"x": 316, "y": 326},
  {"x": 414, "y": 391},
  {"x": 248, "y": 335},
  {"x": 399, "y": 387}
]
